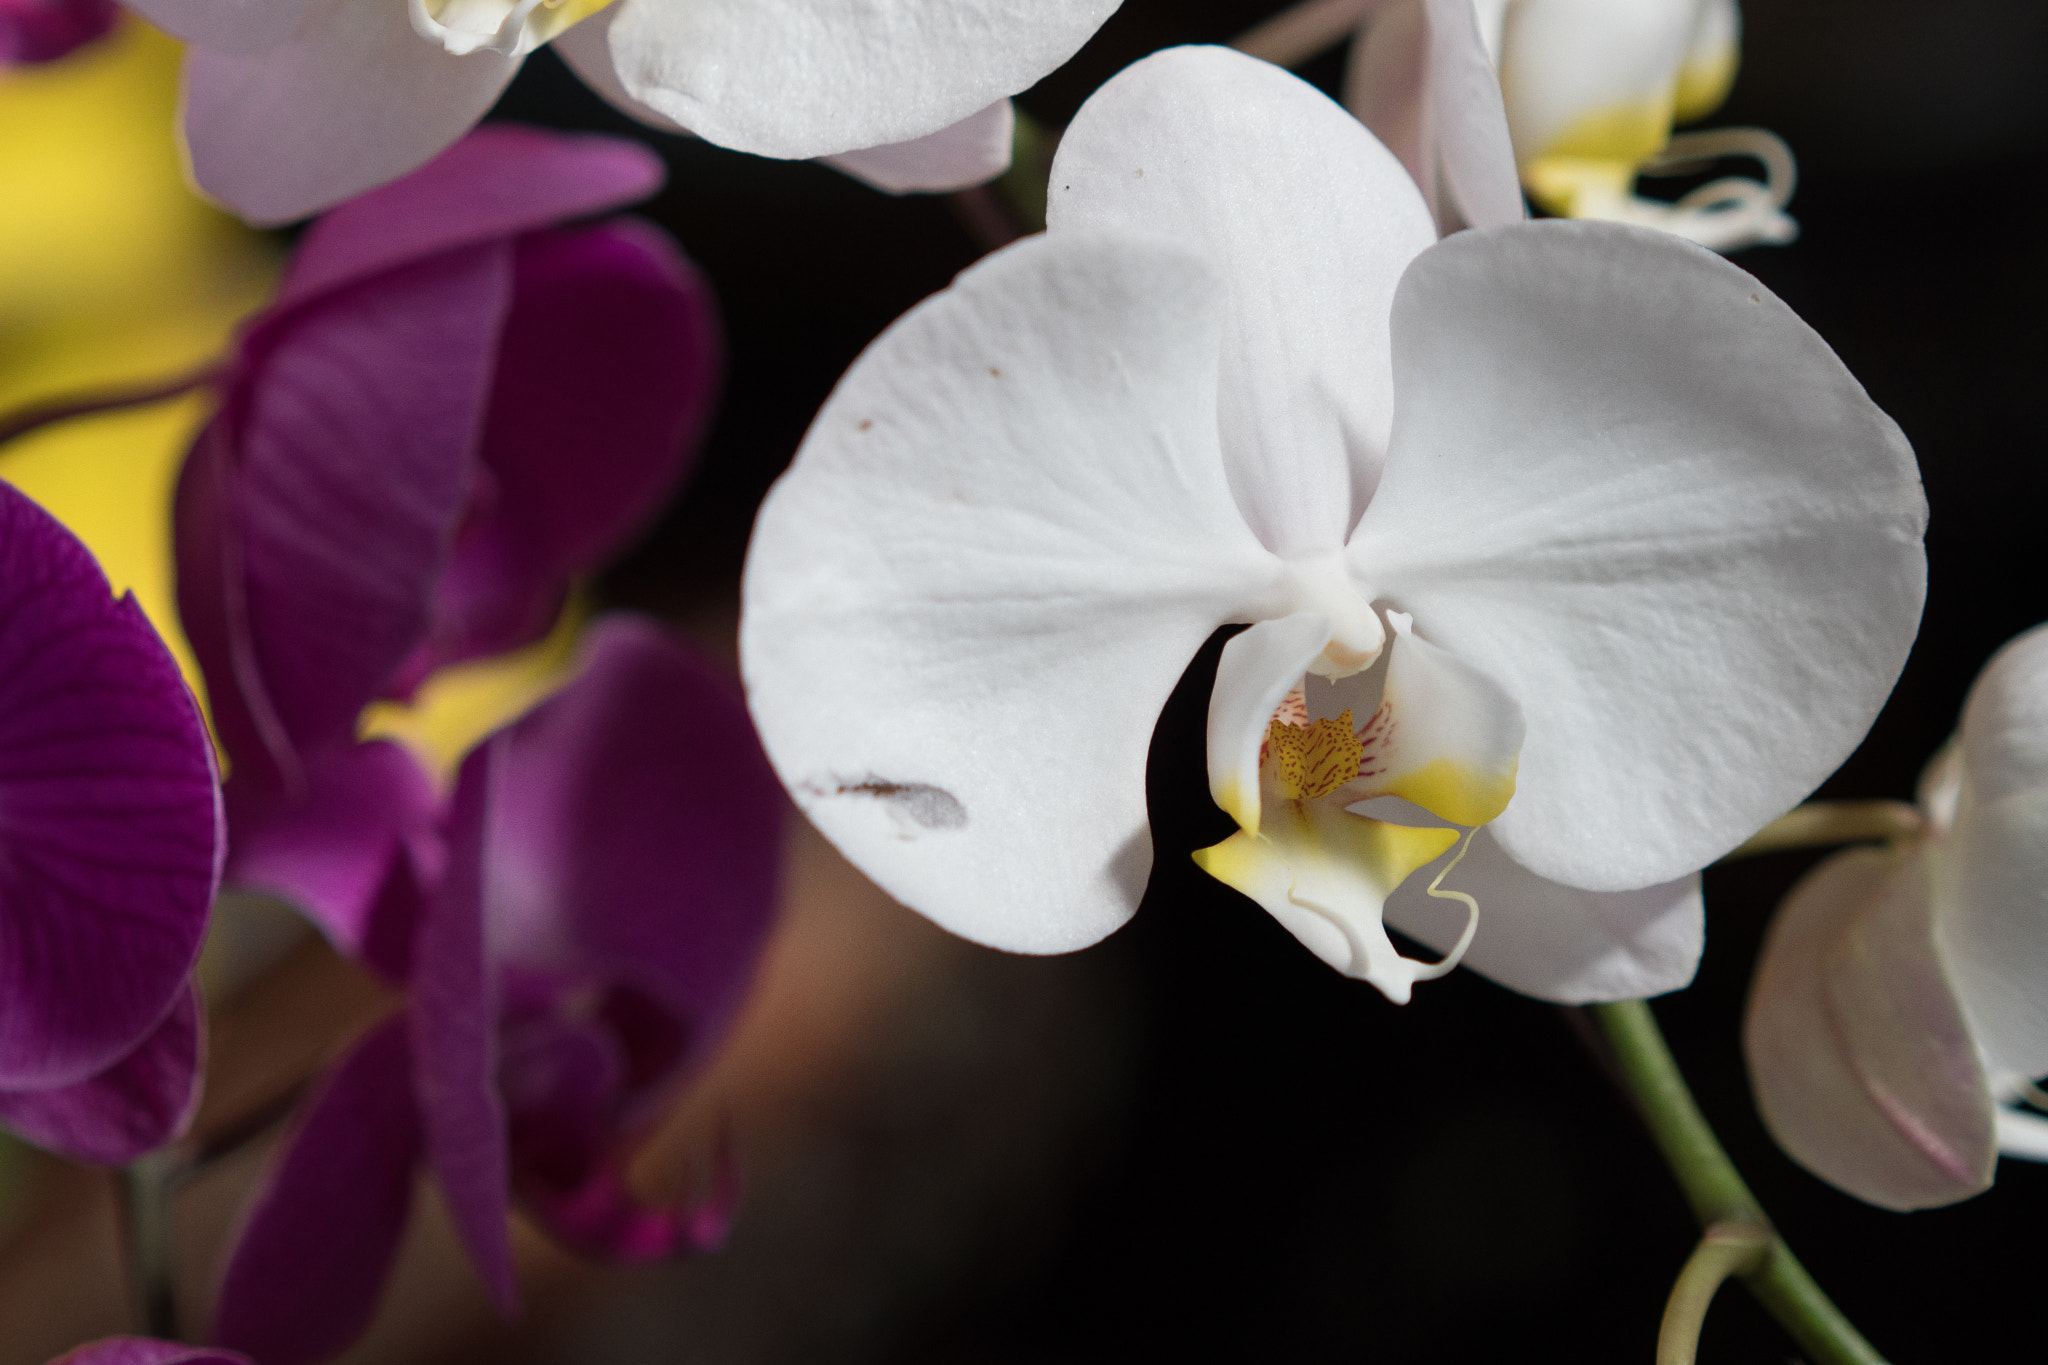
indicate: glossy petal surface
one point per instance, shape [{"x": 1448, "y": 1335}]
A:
[
  {"x": 135, "y": 1106},
  {"x": 1004, "y": 537},
  {"x": 314, "y": 1249},
  {"x": 802, "y": 78},
  {"x": 109, "y": 816},
  {"x": 1309, "y": 221},
  {"x": 1691, "y": 553}
]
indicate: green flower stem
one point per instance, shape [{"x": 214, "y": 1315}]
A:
[
  {"x": 1716, "y": 1191},
  {"x": 1819, "y": 824},
  {"x": 147, "y": 1185},
  {"x": 1726, "y": 1249}
]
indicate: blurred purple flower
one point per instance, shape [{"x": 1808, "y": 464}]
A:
[
  {"x": 146, "y": 1351},
  {"x": 110, "y": 842},
  {"x": 609, "y": 878},
  {"x": 454, "y": 407},
  {"x": 33, "y": 31}
]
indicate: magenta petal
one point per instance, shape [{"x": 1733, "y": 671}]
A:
[
  {"x": 498, "y": 181},
  {"x": 637, "y": 830},
  {"x": 454, "y": 1026},
  {"x": 43, "y": 30},
  {"x": 317, "y": 1244},
  {"x": 135, "y": 1106},
  {"x": 332, "y": 850},
  {"x": 600, "y": 1217},
  {"x": 352, "y": 426},
  {"x": 606, "y": 375},
  {"x": 110, "y": 827},
  {"x": 147, "y": 1351}
]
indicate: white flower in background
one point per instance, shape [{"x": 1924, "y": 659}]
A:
[
  {"x": 1591, "y": 90},
  {"x": 1899, "y": 1009},
  {"x": 1570, "y": 511},
  {"x": 291, "y": 106}
]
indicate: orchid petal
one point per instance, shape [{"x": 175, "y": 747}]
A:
[
  {"x": 317, "y": 1243},
  {"x": 247, "y": 26},
  {"x": 1864, "y": 1068},
  {"x": 497, "y": 182},
  {"x": 587, "y": 48},
  {"x": 965, "y": 605},
  {"x": 1557, "y": 942},
  {"x": 1419, "y": 77},
  {"x": 606, "y": 374},
  {"x": 637, "y": 832},
  {"x": 971, "y": 152},
  {"x": 135, "y": 1106},
  {"x": 338, "y": 470},
  {"x": 1592, "y": 78},
  {"x": 1991, "y": 884},
  {"x": 147, "y": 1351},
  {"x": 37, "y": 31},
  {"x": 110, "y": 825},
  {"x": 1254, "y": 675},
  {"x": 1325, "y": 875},
  {"x": 329, "y": 850},
  {"x": 1707, "y": 71},
  {"x": 1454, "y": 738},
  {"x": 1310, "y": 222},
  {"x": 454, "y": 1038},
  {"x": 353, "y": 98},
  {"x": 2005, "y": 721},
  {"x": 800, "y": 78},
  {"x": 1692, "y": 554},
  {"x": 2022, "y": 1134}
]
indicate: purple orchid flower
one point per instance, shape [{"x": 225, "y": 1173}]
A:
[
  {"x": 36, "y": 31},
  {"x": 146, "y": 1351},
  {"x": 454, "y": 407},
  {"x": 110, "y": 840},
  {"x": 590, "y": 931}
]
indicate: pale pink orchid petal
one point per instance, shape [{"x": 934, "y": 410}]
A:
[
  {"x": 1863, "y": 1064},
  {"x": 971, "y": 152},
  {"x": 352, "y": 98},
  {"x": 244, "y": 26},
  {"x": 587, "y": 49}
]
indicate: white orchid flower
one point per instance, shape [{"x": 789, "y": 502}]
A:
[
  {"x": 291, "y": 106},
  {"x": 1571, "y": 511},
  {"x": 1591, "y": 90},
  {"x": 1898, "y": 1011}
]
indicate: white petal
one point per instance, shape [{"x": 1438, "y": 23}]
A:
[
  {"x": 352, "y": 99},
  {"x": 587, "y": 48},
  {"x": 1711, "y": 54},
  {"x": 971, "y": 152},
  {"x": 1310, "y": 221},
  {"x": 1991, "y": 885},
  {"x": 1630, "y": 486},
  {"x": 2022, "y": 1134},
  {"x": 2005, "y": 721},
  {"x": 1419, "y": 77},
  {"x": 1454, "y": 737},
  {"x": 1256, "y": 672},
  {"x": 804, "y": 78},
  {"x": 228, "y": 25},
  {"x": 1004, "y": 537},
  {"x": 1864, "y": 1070},
  {"x": 1557, "y": 942},
  {"x": 1592, "y": 77}
]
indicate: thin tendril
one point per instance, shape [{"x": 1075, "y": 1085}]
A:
[{"x": 1457, "y": 952}]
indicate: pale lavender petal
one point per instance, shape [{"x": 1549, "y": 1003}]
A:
[
  {"x": 317, "y": 1244},
  {"x": 34, "y": 31},
  {"x": 110, "y": 826},
  {"x": 454, "y": 1031},
  {"x": 637, "y": 831},
  {"x": 349, "y": 433},
  {"x": 332, "y": 849},
  {"x": 135, "y": 1106},
  {"x": 606, "y": 375},
  {"x": 498, "y": 181},
  {"x": 147, "y": 1351}
]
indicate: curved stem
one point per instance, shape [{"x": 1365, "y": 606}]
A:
[
  {"x": 1716, "y": 1190},
  {"x": 1726, "y": 1249},
  {"x": 1818, "y": 824},
  {"x": 147, "y": 1186},
  {"x": 48, "y": 412}
]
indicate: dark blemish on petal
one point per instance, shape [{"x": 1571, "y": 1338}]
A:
[
  {"x": 865, "y": 424},
  {"x": 994, "y": 373},
  {"x": 1138, "y": 174},
  {"x": 919, "y": 803},
  {"x": 1754, "y": 299}
]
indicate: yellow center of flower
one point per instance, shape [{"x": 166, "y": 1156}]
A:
[{"x": 1313, "y": 760}]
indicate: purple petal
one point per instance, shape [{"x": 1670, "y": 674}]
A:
[
  {"x": 135, "y": 1106},
  {"x": 350, "y": 430},
  {"x": 606, "y": 376},
  {"x": 147, "y": 1351},
  {"x": 564, "y": 1082},
  {"x": 110, "y": 827},
  {"x": 318, "y": 1242},
  {"x": 454, "y": 1028},
  {"x": 499, "y": 181},
  {"x": 34, "y": 31},
  {"x": 334, "y": 850},
  {"x": 636, "y": 833}
]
